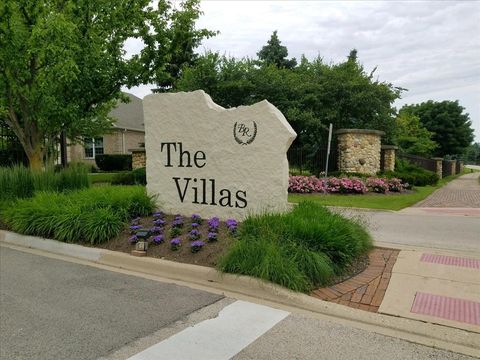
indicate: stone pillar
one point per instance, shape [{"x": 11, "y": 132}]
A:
[
  {"x": 389, "y": 157},
  {"x": 139, "y": 158},
  {"x": 359, "y": 150},
  {"x": 461, "y": 165},
  {"x": 438, "y": 166},
  {"x": 452, "y": 167}
]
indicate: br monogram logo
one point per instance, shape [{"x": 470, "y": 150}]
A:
[{"x": 243, "y": 134}]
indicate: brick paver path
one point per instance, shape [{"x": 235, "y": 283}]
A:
[
  {"x": 366, "y": 290},
  {"x": 463, "y": 192}
]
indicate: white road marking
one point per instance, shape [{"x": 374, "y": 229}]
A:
[{"x": 237, "y": 326}]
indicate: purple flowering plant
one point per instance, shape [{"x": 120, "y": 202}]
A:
[
  {"x": 134, "y": 228},
  {"x": 194, "y": 234},
  {"x": 213, "y": 224},
  {"x": 177, "y": 221},
  {"x": 196, "y": 218},
  {"x": 196, "y": 246},
  {"x": 195, "y": 225},
  {"x": 156, "y": 230},
  {"x": 175, "y": 244},
  {"x": 133, "y": 239},
  {"x": 159, "y": 222},
  {"x": 212, "y": 236},
  {"x": 157, "y": 240},
  {"x": 232, "y": 225},
  {"x": 158, "y": 215}
]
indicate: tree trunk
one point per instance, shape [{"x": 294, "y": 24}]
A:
[{"x": 35, "y": 159}]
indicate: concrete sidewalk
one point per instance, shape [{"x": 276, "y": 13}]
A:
[
  {"x": 463, "y": 192},
  {"x": 438, "y": 287}
]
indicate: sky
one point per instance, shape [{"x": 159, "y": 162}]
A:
[{"x": 431, "y": 48}]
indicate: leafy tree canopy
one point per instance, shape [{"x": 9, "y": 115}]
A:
[
  {"x": 274, "y": 53},
  {"x": 311, "y": 95},
  {"x": 452, "y": 127},
  {"x": 63, "y": 63},
  {"x": 412, "y": 137}
]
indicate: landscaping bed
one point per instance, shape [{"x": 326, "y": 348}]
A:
[
  {"x": 209, "y": 255},
  {"x": 301, "y": 249}
]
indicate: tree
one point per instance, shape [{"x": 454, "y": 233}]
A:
[
  {"x": 62, "y": 63},
  {"x": 472, "y": 154},
  {"x": 184, "y": 39},
  {"x": 447, "y": 120},
  {"x": 311, "y": 95},
  {"x": 274, "y": 53},
  {"x": 412, "y": 137}
]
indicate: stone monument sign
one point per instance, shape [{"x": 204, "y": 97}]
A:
[{"x": 202, "y": 158}]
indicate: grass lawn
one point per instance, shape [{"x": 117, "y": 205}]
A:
[{"x": 373, "y": 201}]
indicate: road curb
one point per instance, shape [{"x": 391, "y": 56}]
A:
[{"x": 437, "y": 336}]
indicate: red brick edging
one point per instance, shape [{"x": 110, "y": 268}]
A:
[{"x": 366, "y": 290}]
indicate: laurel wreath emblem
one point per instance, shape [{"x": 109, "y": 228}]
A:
[{"x": 250, "y": 140}]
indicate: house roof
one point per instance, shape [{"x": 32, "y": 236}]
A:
[{"x": 129, "y": 115}]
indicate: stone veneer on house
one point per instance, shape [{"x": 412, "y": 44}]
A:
[
  {"x": 389, "y": 157},
  {"x": 139, "y": 158},
  {"x": 359, "y": 150}
]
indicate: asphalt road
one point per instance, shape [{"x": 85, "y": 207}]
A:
[
  {"x": 51, "y": 309},
  {"x": 434, "y": 231}
]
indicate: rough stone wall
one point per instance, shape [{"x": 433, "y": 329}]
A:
[
  {"x": 389, "y": 157},
  {"x": 139, "y": 159},
  {"x": 439, "y": 167},
  {"x": 359, "y": 150}
]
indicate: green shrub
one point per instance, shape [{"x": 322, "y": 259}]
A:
[
  {"x": 300, "y": 250},
  {"x": 114, "y": 162},
  {"x": 92, "y": 215},
  {"x": 135, "y": 177},
  {"x": 412, "y": 174}
]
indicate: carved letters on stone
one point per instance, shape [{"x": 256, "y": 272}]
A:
[{"x": 202, "y": 158}]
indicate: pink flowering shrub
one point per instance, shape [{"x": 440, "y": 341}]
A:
[
  {"x": 377, "y": 185},
  {"x": 396, "y": 185},
  {"x": 345, "y": 185},
  {"x": 305, "y": 184}
]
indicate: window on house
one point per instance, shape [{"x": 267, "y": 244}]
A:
[{"x": 93, "y": 147}]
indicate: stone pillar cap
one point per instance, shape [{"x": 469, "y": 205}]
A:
[
  {"x": 437, "y": 158},
  {"x": 137, "y": 150},
  {"x": 389, "y": 147},
  {"x": 359, "y": 131}
]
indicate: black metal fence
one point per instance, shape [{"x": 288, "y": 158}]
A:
[
  {"x": 420, "y": 161},
  {"x": 302, "y": 161},
  {"x": 446, "y": 168},
  {"x": 11, "y": 151}
]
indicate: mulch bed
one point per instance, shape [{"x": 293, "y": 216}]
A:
[
  {"x": 366, "y": 290},
  {"x": 207, "y": 256}
]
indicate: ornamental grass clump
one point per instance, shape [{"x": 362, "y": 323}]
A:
[
  {"x": 92, "y": 215},
  {"x": 300, "y": 250}
]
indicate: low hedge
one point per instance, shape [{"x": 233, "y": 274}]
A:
[
  {"x": 135, "y": 177},
  {"x": 415, "y": 178},
  {"x": 114, "y": 162}
]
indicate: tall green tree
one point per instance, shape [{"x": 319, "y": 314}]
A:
[
  {"x": 412, "y": 137},
  {"x": 274, "y": 53},
  {"x": 451, "y": 126},
  {"x": 472, "y": 154},
  {"x": 63, "y": 63}
]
